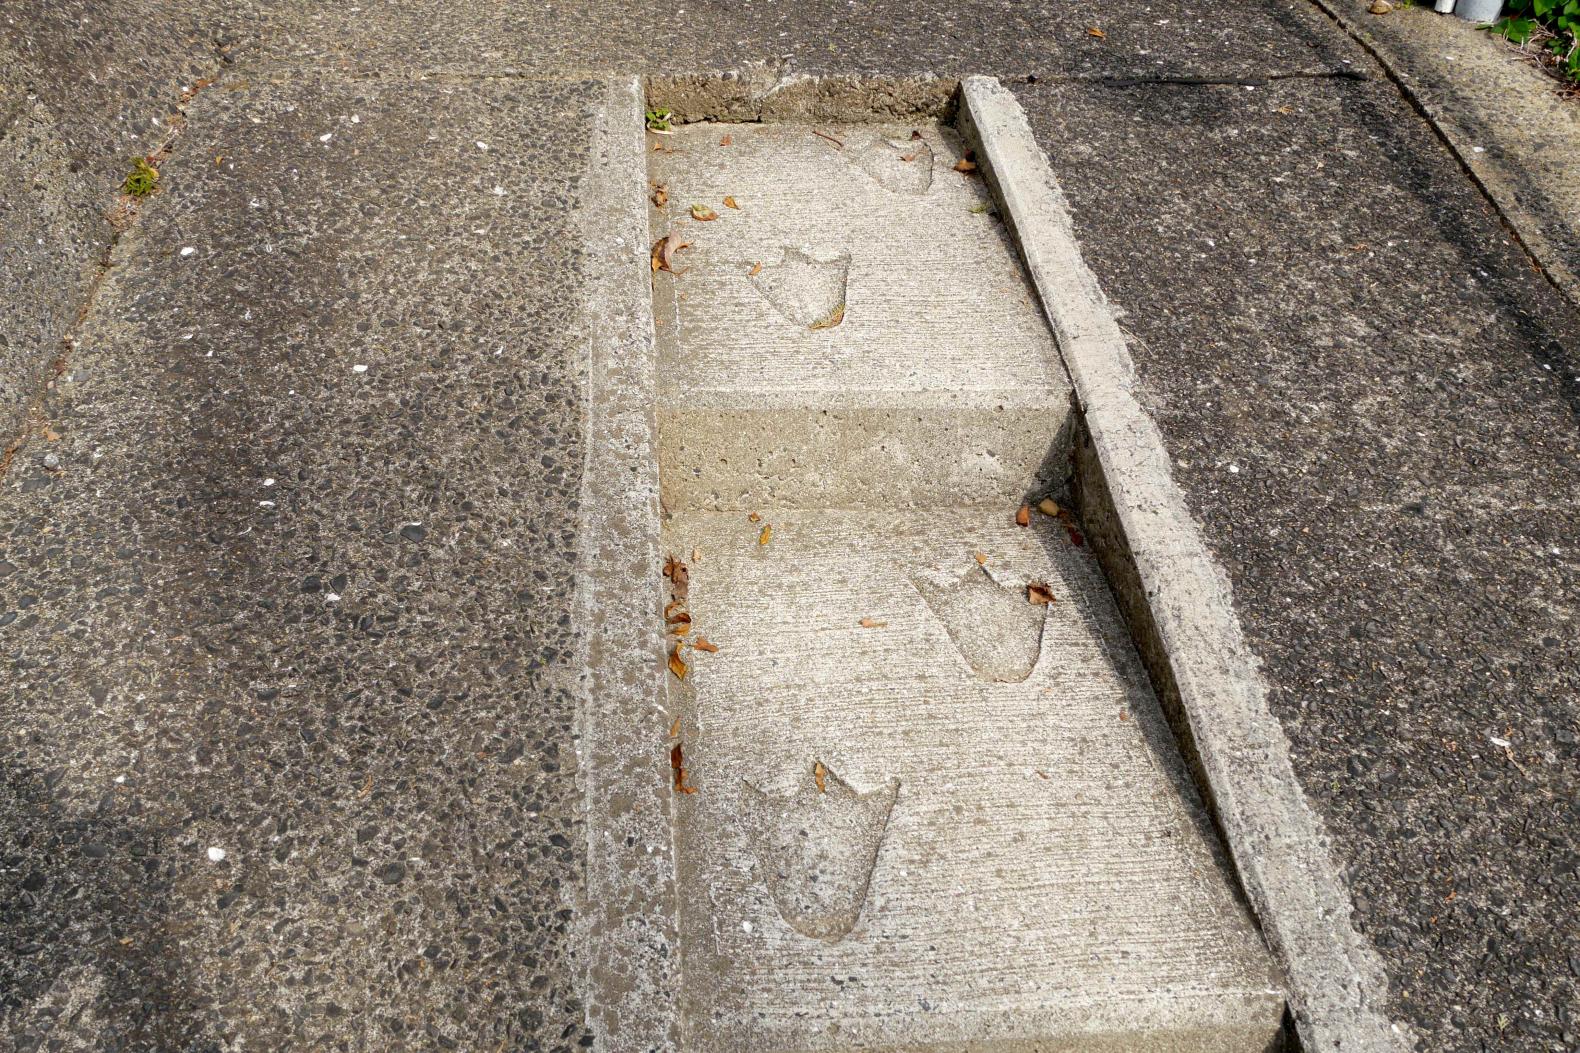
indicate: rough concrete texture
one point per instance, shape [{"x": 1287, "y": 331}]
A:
[
  {"x": 1509, "y": 122},
  {"x": 288, "y": 721},
  {"x": 901, "y": 836},
  {"x": 857, "y": 332},
  {"x": 1370, "y": 401},
  {"x": 626, "y": 927},
  {"x": 84, "y": 87},
  {"x": 1008, "y": 37},
  {"x": 1181, "y": 613},
  {"x": 51, "y": 251}
]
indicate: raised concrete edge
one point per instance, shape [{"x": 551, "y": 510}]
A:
[
  {"x": 1337, "y": 985},
  {"x": 625, "y": 935},
  {"x": 1455, "y": 112},
  {"x": 773, "y": 92}
]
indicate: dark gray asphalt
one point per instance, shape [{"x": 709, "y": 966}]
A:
[
  {"x": 1320, "y": 300},
  {"x": 287, "y": 756}
]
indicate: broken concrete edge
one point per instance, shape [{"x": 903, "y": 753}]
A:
[
  {"x": 1181, "y": 611},
  {"x": 761, "y": 92},
  {"x": 1501, "y": 187},
  {"x": 625, "y": 928}
]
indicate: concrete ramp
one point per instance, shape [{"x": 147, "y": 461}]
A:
[{"x": 925, "y": 797}]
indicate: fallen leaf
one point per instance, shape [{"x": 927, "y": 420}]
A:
[
  {"x": 729, "y": 202},
  {"x": 677, "y": 664},
  {"x": 830, "y": 320},
  {"x": 1041, "y": 774},
  {"x": 704, "y": 644},
  {"x": 696, "y": 555},
  {"x": 1076, "y": 538},
  {"x": 679, "y": 578},
  {"x": 1048, "y": 506},
  {"x": 679, "y": 617},
  {"x": 1124, "y": 715},
  {"x": 50, "y": 434},
  {"x": 872, "y": 623},
  {"x": 671, "y": 607},
  {"x": 677, "y": 764},
  {"x": 1098, "y": 33},
  {"x": 753, "y": 517},
  {"x": 661, "y": 195},
  {"x": 703, "y": 214},
  {"x": 1038, "y": 593},
  {"x": 820, "y": 776},
  {"x": 915, "y": 135},
  {"x": 966, "y": 164},
  {"x": 768, "y": 532},
  {"x": 724, "y": 141},
  {"x": 981, "y": 559},
  {"x": 664, "y": 252},
  {"x": 680, "y": 628},
  {"x": 674, "y": 728},
  {"x": 1023, "y": 516},
  {"x": 757, "y": 268}
]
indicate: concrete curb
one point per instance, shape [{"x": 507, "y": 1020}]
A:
[
  {"x": 1178, "y": 602},
  {"x": 626, "y": 919}
]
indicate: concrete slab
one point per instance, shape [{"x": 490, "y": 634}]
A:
[
  {"x": 289, "y": 757},
  {"x": 961, "y": 825},
  {"x": 896, "y": 354}
]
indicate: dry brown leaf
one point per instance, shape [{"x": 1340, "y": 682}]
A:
[
  {"x": 915, "y": 135},
  {"x": 664, "y": 252},
  {"x": 1124, "y": 715},
  {"x": 1098, "y": 33},
  {"x": 661, "y": 195},
  {"x": 679, "y": 617},
  {"x": 729, "y": 202},
  {"x": 674, "y": 728},
  {"x": 1076, "y": 537},
  {"x": 703, "y": 214},
  {"x": 696, "y": 555},
  {"x": 50, "y": 434},
  {"x": 1048, "y": 506},
  {"x": 757, "y": 268},
  {"x": 1041, "y": 774},
  {"x": 766, "y": 535},
  {"x": 1023, "y": 516},
  {"x": 820, "y": 776},
  {"x": 830, "y": 320},
  {"x": 704, "y": 644},
  {"x": 677, "y": 764},
  {"x": 1037, "y": 592},
  {"x": 725, "y": 141},
  {"x": 679, "y": 578},
  {"x": 981, "y": 559},
  {"x": 677, "y": 664},
  {"x": 966, "y": 165},
  {"x": 671, "y": 607},
  {"x": 753, "y": 517},
  {"x": 872, "y": 623},
  {"x": 680, "y": 628}
]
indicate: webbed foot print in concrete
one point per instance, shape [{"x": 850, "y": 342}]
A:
[
  {"x": 904, "y": 166},
  {"x": 808, "y": 291},
  {"x": 816, "y": 849},
  {"x": 995, "y": 630}
]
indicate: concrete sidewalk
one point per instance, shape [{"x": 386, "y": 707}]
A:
[{"x": 1370, "y": 395}]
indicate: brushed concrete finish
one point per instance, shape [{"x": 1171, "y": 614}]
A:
[
  {"x": 1179, "y": 598},
  {"x": 998, "y": 858},
  {"x": 849, "y": 288}
]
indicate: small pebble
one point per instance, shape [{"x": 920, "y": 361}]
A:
[
  {"x": 52, "y": 461},
  {"x": 216, "y": 854},
  {"x": 1380, "y": 7}
]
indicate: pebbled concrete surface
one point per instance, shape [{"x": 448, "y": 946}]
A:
[
  {"x": 287, "y": 749},
  {"x": 1509, "y": 121},
  {"x": 1371, "y": 400}
]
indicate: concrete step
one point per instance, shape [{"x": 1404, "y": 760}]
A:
[
  {"x": 856, "y": 332},
  {"x": 914, "y": 809},
  {"x": 1005, "y": 850}
]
